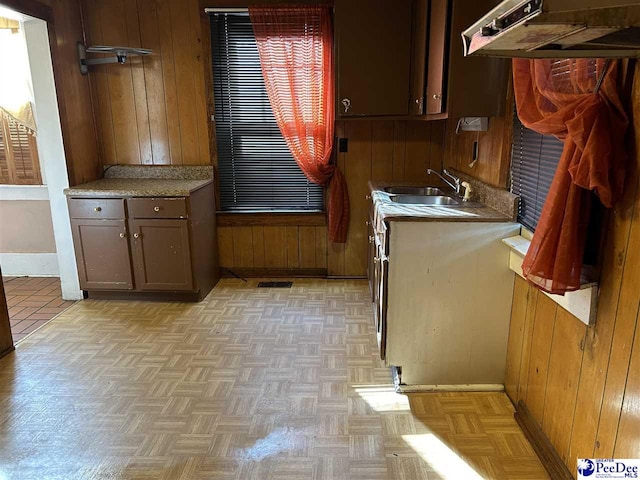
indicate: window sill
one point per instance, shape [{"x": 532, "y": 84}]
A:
[
  {"x": 24, "y": 192},
  {"x": 582, "y": 303},
  {"x": 230, "y": 219}
]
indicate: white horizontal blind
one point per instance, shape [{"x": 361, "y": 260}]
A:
[
  {"x": 257, "y": 171},
  {"x": 534, "y": 159}
]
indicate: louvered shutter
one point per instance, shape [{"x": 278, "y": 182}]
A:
[
  {"x": 19, "y": 163},
  {"x": 4, "y": 166}
]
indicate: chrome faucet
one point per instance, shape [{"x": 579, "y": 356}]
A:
[
  {"x": 457, "y": 183},
  {"x": 456, "y": 180}
]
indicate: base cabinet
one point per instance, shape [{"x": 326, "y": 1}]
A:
[
  {"x": 102, "y": 253},
  {"x": 442, "y": 300},
  {"x": 146, "y": 245}
]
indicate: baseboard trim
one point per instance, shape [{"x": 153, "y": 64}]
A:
[
  {"x": 548, "y": 456},
  {"x": 469, "y": 387},
  {"x": 188, "y": 297},
  {"x": 396, "y": 373},
  {"x": 273, "y": 272},
  {"x": 29, "y": 264}
]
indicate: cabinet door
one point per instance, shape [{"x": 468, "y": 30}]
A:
[
  {"x": 373, "y": 52},
  {"x": 102, "y": 253},
  {"x": 437, "y": 62},
  {"x": 371, "y": 253},
  {"x": 161, "y": 254},
  {"x": 380, "y": 282},
  {"x": 419, "y": 42}
]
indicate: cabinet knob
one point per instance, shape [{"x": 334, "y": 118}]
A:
[
  {"x": 366, "y": 223},
  {"x": 98, "y": 209},
  {"x": 371, "y": 239},
  {"x": 367, "y": 197},
  {"x": 346, "y": 103},
  {"x": 156, "y": 209},
  {"x": 122, "y": 235},
  {"x": 437, "y": 96},
  {"x": 376, "y": 260},
  {"x": 136, "y": 235}
]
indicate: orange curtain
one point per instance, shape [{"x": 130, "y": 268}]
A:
[
  {"x": 296, "y": 54},
  {"x": 561, "y": 98}
]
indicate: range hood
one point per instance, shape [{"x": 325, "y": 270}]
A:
[{"x": 557, "y": 29}]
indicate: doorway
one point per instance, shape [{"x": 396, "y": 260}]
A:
[{"x": 36, "y": 250}]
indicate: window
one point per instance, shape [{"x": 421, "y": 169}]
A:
[
  {"x": 534, "y": 159},
  {"x": 257, "y": 172},
  {"x": 19, "y": 163}
]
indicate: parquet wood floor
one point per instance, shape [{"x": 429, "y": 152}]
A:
[{"x": 249, "y": 384}]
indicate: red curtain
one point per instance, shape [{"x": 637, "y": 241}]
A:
[
  {"x": 559, "y": 97},
  {"x": 296, "y": 54}
]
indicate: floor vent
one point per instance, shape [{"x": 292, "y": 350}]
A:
[{"x": 275, "y": 284}]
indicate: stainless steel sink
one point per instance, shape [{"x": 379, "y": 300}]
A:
[
  {"x": 425, "y": 200},
  {"x": 422, "y": 191}
]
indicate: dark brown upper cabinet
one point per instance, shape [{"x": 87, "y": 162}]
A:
[
  {"x": 459, "y": 86},
  {"x": 405, "y": 59},
  {"x": 373, "y": 57}
]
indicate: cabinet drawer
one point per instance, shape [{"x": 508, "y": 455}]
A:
[
  {"x": 96, "y": 208},
  {"x": 157, "y": 207}
]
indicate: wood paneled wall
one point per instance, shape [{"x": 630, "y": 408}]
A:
[
  {"x": 153, "y": 109},
  {"x": 73, "y": 89},
  {"x": 261, "y": 248},
  {"x": 378, "y": 150},
  {"x": 492, "y": 148},
  {"x": 582, "y": 384}
]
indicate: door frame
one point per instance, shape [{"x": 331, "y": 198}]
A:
[{"x": 49, "y": 114}]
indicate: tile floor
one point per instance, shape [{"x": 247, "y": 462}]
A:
[
  {"x": 32, "y": 302},
  {"x": 250, "y": 384}
]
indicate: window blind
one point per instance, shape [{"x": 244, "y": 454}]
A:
[
  {"x": 534, "y": 159},
  {"x": 256, "y": 169}
]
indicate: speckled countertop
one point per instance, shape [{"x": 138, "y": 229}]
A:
[
  {"x": 143, "y": 181},
  {"x": 386, "y": 210}
]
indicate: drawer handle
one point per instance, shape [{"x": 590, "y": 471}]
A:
[
  {"x": 156, "y": 209},
  {"x": 98, "y": 209},
  {"x": 371, "y": 239},
  {"x": 136, "y": 235},
  {"x": 123, "y": 235}
]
